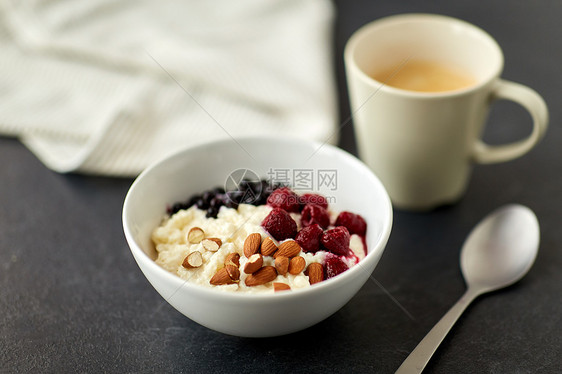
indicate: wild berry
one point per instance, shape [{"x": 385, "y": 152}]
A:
[
  {"x": 279, "y": 224},
  {"x": 310, "y": 198},
  {"x": 312, "y": 214},
  {"x": 336, "y": 240},
  {"x": 333, "y": 265},
  {"x": 284, "y": 198},
  {"x": 309, "y": 238},
  {"x": 353, "y": 222}
]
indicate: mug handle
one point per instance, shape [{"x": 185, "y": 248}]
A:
[{"x": 535, "y": 105}]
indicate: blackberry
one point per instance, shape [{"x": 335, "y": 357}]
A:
[
  {"x": 235, "y": 196},
  {"x": 193, "y": 200},
  {"x": 244, "y": 185},
  {"x": 247, "y": 192},
  {"x": 176, "y": 208},
  {"x": 212, "y": 213},
  {"x": 207, "y": 197},
  {"x": 200, "y": 203},
  {"x": 216, "y": 202}
]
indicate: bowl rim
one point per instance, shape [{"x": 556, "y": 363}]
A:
[{"x": 326, "y": 285}]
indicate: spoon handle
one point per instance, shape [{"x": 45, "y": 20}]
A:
[{"x": 420, "y": 356}]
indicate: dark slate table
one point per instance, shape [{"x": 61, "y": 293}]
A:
[{"x": 73, "y": 300}]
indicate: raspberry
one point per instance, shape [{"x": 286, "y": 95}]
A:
[
  {"x": 333, "y": 265},
  {"x": 353, "y": 222},
  {"x": 311, "y": 198},
  {"x": 285, "y": 199},
  {"x": 315, "y": 214},
  {"x": 336, "y": 240},
  {"x": 279, "y": 224},
  {"x": 309, "y": 238}
]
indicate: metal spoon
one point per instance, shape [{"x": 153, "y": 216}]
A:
[{"x": 498, "y": 252}]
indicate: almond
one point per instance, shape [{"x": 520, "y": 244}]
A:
[
  {"x": 254, "y": 263},
  {"x": 262, "y": 276},
  {"x": 277, "y": 286},
  {"x": 233, "y": 272},
  {"x": 315, "y": 273},
  {"x": 193, "y": 260},
  {"x": 296, "y": 265},
  {"x": 252, "y": 244},
  {"x": 211, "y": 244},
  {"x": 221, "y": 277},
  {"x": 282, "y": 264},
  {"x": 268, "y": 247},
  {"x": 195, "y": 235},
  {"x": 290, "y": 248},
  {"x": 232, "y": 259}
]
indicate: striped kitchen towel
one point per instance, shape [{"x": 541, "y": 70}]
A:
[{"x": 107, "y": 87}]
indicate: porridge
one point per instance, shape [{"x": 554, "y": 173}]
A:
[{"x": 274, "y": 241}]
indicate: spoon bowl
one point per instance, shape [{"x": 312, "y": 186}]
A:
[
  {"x": 501, "y": 249},
  {"x": 498, "y": 252}
]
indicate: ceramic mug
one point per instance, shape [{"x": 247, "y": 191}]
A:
[{"x": 422, "y": 145}]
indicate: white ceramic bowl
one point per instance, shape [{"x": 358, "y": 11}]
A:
[{"x": 200, "y": 168}]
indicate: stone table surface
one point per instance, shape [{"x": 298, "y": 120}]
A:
[{"x": 72, "y": 298}]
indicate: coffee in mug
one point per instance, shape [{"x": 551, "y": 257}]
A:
[
  {"x": 425, "y": 76},
  {"x": 421, "y": 137}
]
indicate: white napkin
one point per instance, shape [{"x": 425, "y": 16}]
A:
[{"x": 107, "y": 87}]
